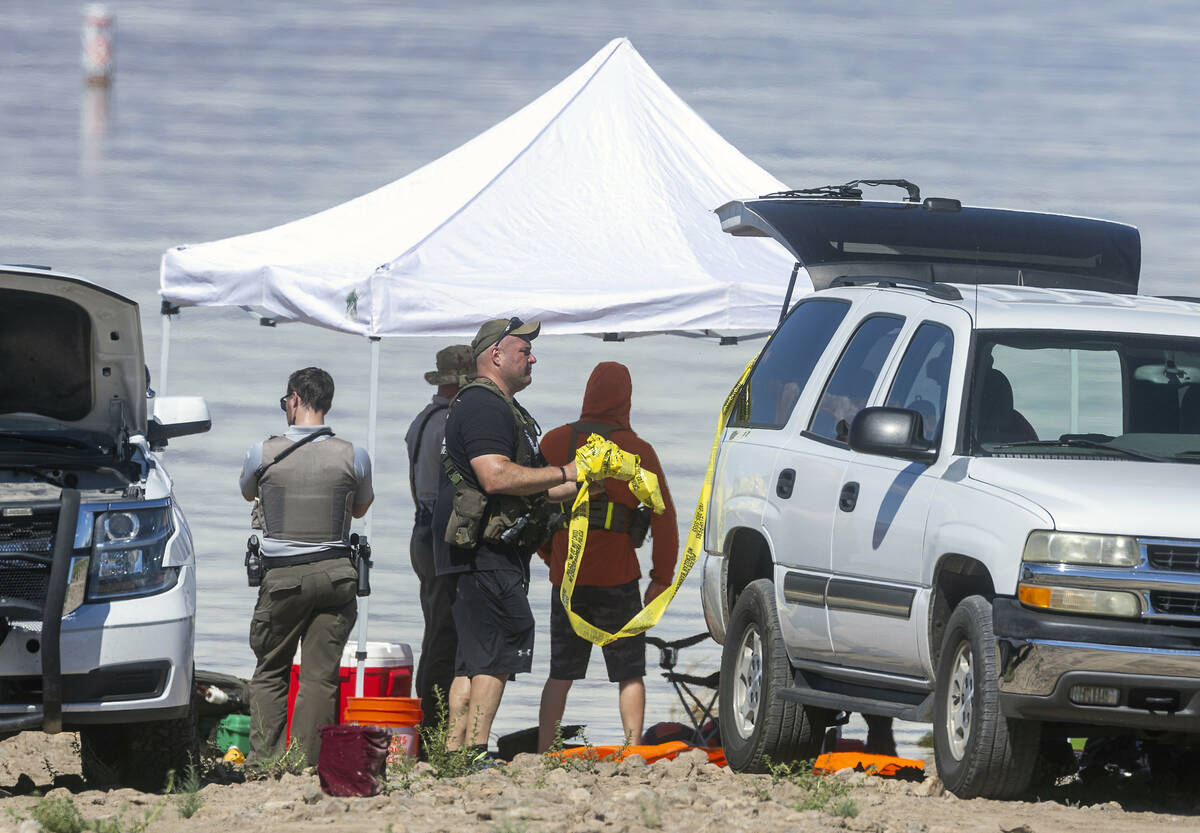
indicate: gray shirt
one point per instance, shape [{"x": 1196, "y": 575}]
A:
[
  {"x": 425, "y": 463},
  {"x": 279, "y": 547}
]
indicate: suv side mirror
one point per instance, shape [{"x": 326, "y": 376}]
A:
[
  {"x": 892, "y": 432},
  {"x": 177, "y": 416}
]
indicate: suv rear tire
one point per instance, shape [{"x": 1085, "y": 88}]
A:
[
  {"x": 756, "y": 724},
  {"x": 979, "y": 752}
]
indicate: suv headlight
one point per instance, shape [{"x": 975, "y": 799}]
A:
[
  {"x": 127, "y": 553},
  {"x": 1080, "y": 548}
]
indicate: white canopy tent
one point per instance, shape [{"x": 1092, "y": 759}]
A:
[{"x": 589, "y": 209}]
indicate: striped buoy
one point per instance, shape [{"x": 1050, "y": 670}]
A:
[{"x": 97, "y": 42}]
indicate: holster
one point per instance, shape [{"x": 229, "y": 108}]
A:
[
  {"x": 254, "y": 562},
  {"x": 360, "y": 557}
]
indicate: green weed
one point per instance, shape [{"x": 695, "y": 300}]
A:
[
  {"x": 187, "y": 793},
  {"x": 845, "y": 808},
  {"x": 652, "y": 813},
  {"x": 59, "y": 815},
  {"x": 446, "y": 762},
  {"x": 587, "y": 760},
  {"x": 291, "y": 761},
  {"x": 821, "y": 792},
  {"x": 400, "y": 774}
]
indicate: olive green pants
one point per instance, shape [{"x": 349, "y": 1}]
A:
[{"x": 313, "y": 606}]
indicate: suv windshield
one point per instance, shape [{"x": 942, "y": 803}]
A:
[{"x": 1086, "y": 395}]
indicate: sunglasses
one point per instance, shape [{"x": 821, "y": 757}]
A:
[
  {"x": 513, "y": 323},
  {"x": 283, "y": 401}
]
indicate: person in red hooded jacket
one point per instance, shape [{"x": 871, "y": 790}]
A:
[{"x": 606, "y": 591}]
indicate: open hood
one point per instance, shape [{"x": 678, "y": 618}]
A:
[
  {"x": 940, "y": 241},
  {"x": 71, "y": 353}
]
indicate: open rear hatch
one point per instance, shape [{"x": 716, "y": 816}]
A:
[{"x": 834, "y": 235}]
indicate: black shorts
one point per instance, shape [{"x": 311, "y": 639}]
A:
[
  {"x": 494, "y": 624},
  {"x": 605, "y": 607}
]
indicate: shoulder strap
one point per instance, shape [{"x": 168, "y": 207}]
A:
[
  {"x": 261, "y": 470},
  {"x": 452, "y": 472},
  {"x": 416, "y": 455},
  {"x": 583, "y": 426}
]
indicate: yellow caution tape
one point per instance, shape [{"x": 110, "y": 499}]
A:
[{"x": 599, "y": 458}]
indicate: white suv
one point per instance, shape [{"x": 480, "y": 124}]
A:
[
  {"x": 956, "y": 489},
  {"x": 97, "y": 571}
]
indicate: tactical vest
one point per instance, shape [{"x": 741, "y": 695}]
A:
[
  {"x": 477, "y": 516},
  {"x": 308, "y": 496},
  {"x": 424, "y": 516}
]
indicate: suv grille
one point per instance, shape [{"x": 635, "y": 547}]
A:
[
  {"x": 26, "y": 542},
  {"x": 28, "y": 533},
  {"x": 1174, "y": 557},
  {"x": 24, "y": 578},
  {"x": 1177, "y": 604}
]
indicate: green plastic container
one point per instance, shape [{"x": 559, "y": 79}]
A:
[{"x": 234, "y": 730}]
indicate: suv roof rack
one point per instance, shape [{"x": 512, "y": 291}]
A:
[
  {"x": 946, "y": 292},
  {"x": 850, "y": 190}
]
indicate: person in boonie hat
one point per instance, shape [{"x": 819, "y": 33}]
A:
[
  {"x": 439, "y": 642},
  {"x": 455, "y": 366}
]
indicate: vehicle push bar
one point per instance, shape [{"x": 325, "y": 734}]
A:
[{"x": 48, "y": 717}]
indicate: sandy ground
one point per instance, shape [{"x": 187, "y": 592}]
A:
[{"x": 531, "y": 795}]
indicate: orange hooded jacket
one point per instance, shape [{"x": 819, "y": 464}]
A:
[{"x": 610, "y": 559}]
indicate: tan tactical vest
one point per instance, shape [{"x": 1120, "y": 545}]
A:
[{"x": 308, "y": 496}]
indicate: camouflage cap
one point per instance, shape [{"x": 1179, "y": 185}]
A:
[
  {"x": 455, "y": 366},
  {"x": 494, "y": 330}
]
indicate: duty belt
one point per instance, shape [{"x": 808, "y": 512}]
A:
[{"x": 272, "y": 561}]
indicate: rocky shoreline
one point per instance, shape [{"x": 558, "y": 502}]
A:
[{"x": 39, "y": 778}]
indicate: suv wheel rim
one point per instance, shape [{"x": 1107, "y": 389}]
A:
[
  {"x": 747, "y": 696},
  {"x": 960, "y": 701}
]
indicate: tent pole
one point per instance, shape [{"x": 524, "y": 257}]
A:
[
  {"x": 164, "y": 356},
  {"x": 363, "y": 603}
]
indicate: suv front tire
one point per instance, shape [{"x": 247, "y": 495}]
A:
[{"x": 980, "y": 752}]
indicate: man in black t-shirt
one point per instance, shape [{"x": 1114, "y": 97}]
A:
[{"x": 491, "y": 453}]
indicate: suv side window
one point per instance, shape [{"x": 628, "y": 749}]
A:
[
  {"x": 771, "y": 391},
  {"x": 851, "y": 382},
  {"x": 924, "y": 375}
]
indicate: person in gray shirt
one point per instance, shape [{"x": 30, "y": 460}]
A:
[
  {"x": 309, "y": 485},
  {"x": 435, "y": 668}
]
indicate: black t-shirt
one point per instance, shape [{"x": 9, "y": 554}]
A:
[{"x": 480, "y": 422}]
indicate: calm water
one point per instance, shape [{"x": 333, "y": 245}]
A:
[{"x": 228, "y": 117}]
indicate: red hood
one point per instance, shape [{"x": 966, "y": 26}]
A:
[{"x": 608, "y": 394}]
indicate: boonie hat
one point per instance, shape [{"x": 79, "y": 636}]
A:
[
  {"x": 496, "y": 329},
  {"x": 455, "y": 366}
]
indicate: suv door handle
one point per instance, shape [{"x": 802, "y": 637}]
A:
[
  {"x": 848, "y": 498},
  {"x": 783, "y": 486}
]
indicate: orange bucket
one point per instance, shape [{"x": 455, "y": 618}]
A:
[{"x": 401, "y": 715}]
